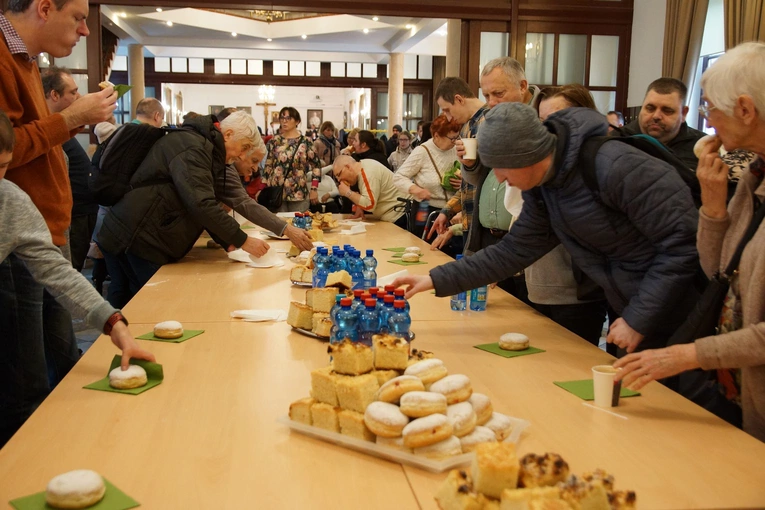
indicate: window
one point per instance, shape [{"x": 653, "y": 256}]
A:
[{"x": 706, "y": 61}]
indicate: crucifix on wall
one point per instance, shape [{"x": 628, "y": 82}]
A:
[{"x": 266, "y": 93}]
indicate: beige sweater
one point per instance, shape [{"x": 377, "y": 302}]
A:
[
  {"x": 379, "y": 196},
  {"x": 419, "y": 169},
  {"x": 745, "y": 348}
]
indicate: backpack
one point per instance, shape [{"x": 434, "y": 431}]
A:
[
  {"x": 117, "y": 158},
  {"x": 645, "y": 143}
]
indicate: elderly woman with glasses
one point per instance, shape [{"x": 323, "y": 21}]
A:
[
  {"x": 292, "y": 164},
  {"x": 422, "y": 174},
  {"x": 734, "y": 92}
]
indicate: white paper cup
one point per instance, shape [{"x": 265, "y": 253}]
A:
[
  {"x": 471, "y": 148},
  {"x": 606, "y": 389}
]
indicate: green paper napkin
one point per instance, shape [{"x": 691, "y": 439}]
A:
[
  {"x": 187, "y": 333},
  {"x": 495, "y": 349},
  {"x": 121, "y": 91},
  {"x": 402, "y": 263},
  {"x": 114, "y": 499},
  {"x": 397, "y": 250},
  {"x": 154, "y": 375},
  {"x": 584, "y": 390}
]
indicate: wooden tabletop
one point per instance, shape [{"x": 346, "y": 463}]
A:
[{"x": 207, "y": 437}]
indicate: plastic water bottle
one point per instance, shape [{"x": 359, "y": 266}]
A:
[
  {"x": 399, "y": 321},
  {"x": 370, "y": 275},
  {"x": 386, "y": 312},
  {"x": 307, "y": 221},
  {"x": 347, "y": 322},
  {"x": 298, "y": 221},
  {"x": 389, "y": 289},
  {"x": 320, "y": 269},
  {"x": 381, "y": 300},
  {"x": 399, "y": 293},
  {"x": 356, "y": 269},
  {"x": 369, "y": 322},
  {"x": 339, "y": 264},
  {"x": 458, "y": 302},
  {"x": 422, "y": 214},
  {"x": 333, "y": 317},
  {"x": 357, "y": 299},
  {"x": 478, "y": 299}
]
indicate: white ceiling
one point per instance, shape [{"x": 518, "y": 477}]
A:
[{"x": 335, "y": 38}]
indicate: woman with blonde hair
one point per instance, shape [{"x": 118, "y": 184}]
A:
[{"x": 326, "y": 146}]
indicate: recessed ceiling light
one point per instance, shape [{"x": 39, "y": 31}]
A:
[
  {"x": 375, "y": 19},
  {"x": 123, "y": 15},
  {"x": 366, "y": 30},
  {"x": 169, "y": 23},
  {"x": 408, "y": 26},
  {"x": 233, "y": 34},
  {"x": 304, "y": 36},
  {"x": 269, "y": 39},
  {"x": 159, "y": 9}
]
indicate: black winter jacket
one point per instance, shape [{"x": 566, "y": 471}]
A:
[{"x": 161, "y": 222}]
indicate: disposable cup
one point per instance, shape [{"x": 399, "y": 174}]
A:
[
  {"x": 606, "y": 389},
  {"x": 471, "y": 148}
]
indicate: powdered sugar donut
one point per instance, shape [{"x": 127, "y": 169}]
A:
[
  {"x": 413, "y": 249},
  {"x": 513, "y": 342},
  {"x": 392, "y": 390},
  {"x": 456, "y": 388},
  {"x": 385, "y": 419},
  {"x": 500, "y": 424},
  {"x": 422, "y": 403},
  {"x": 133, "y": 377},
  {"x": 168, "y": 329},
  {"x": 428, "y": 370},
  {"x": 76, "y": 489},
  {"x": 478, "y": 436},
  {"x": 482, "y": 407},
  {"x": 446, "y": 448},
  {"x": 462, "y": 417},
  {"x": 427, "y": 431}
]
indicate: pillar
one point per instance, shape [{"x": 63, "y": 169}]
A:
[
  {"x": 136, "y": 76},
  {"x": 395, "y": 91},
  {"x": 453, "y": 45}
]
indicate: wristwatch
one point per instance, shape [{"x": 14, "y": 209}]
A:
[
  {"x": 114, "y": 319},
  {"x": 348, "y": 195}
]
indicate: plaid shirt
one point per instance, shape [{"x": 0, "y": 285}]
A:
[
  {"x": 464, "y": 199},
  {"x": 15, "y": 43}
]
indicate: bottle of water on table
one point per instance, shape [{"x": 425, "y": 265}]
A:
[
  {"x": 458, "y": 302},
  {"x": 399, "y": 322},
  {"x": 478, "y": 298},
  {"x": 347, "y": 322},
  {"x": 370, "y": 265}
]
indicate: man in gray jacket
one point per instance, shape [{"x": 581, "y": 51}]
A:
[{"x": 635, "y": 237}]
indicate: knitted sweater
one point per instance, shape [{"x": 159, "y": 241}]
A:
[
  {"x": 379, "y": 196},
  {"x": 418, "y": 168},
  {"x": 38, "y": 165},
  {"x": 26, "y": 236}
]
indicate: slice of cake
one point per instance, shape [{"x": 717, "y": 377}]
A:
[
  {"x": 322, "y": 300},
  {"x": 356, "y": 393},
  {"x": 300, "y": 410},
  {"x": 495, "y": 468},
  {"x": 296, "y": 273},
  {"x": 339, "y": 279},
  {"x": 584, "y": 495},
  {"x": 391, "y": 353},
  {"x": 325, "y": 416},
  {"x": 322, "y": 324},
  {"x": 300, "y": 316},
  {"x": 384, "y": 376},
  {"x": 351, "y": 358},
  {"x": 294, "y": 251},
  {"x": 456, "y": 493},
  {"x": 324, "y": 385},
  {"x": 316, "y": 234},
  {"x": 352, "y": 424},
  {"x": 544, "y": 470},
  {"x": 309, "y": 298},
  {"x": 520, "y": 499}
]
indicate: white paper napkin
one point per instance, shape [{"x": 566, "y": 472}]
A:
[
  {"x": 356, "y": 229},
  {"x": 239, "y": 255},
  {"x": 270, "y": 259},
  {"x": 260, "y": 315},
  {"x": 387, "y": 280}
]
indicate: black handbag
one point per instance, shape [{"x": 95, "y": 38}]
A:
[
  {"x": 271, "y": 197},
  {"x": 698, "y": 385}
]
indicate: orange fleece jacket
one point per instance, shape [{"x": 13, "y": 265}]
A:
[{"x": 38, "y": 165}]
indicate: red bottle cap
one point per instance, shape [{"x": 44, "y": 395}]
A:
[
  {"x": 346, "y": 301},
  {"x": 370, "y": 302},
  {"x": 399, "y": 304}
]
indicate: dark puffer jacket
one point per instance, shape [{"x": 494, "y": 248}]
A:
[
  {"x": 636, "y": 238},
  {"x": 161, "y": 222}
]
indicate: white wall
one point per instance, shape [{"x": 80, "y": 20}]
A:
[
  {"x": 198, "y": 97},
  {"x": 646, "y": 48},
  {"x": 356, "y": 116}
]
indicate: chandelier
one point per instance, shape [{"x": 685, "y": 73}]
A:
[
  {"x": 267, "y": 16},
  {"x": 266, "y": 93}
]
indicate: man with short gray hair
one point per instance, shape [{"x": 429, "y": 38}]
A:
[{"x": 149, "y": 110}]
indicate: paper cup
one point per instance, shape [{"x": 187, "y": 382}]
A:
[
  {"x": 471, "y": 148},
  {"x": 606, "y": 389}
]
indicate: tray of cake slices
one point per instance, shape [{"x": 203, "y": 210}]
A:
[{"x": 407, "y": 408}]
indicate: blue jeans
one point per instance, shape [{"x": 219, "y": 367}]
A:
[
  {"x": 37, "y": 341},
  {"x": 129, "y": 273}
]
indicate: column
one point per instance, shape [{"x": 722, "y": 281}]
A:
[
  {"x": 395, "y": 91},
  {"x": 453, "y": 45},
  {"x": 136, "y": 76}
]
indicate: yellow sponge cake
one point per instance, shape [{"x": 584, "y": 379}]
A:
[
  {"x": 495, "y": 468},
  {"x": 300, "y": 316},
  {"x": 352, "y": 424},
  {"x": 325, "y": 416},
  {"x": 356, "y": 393},
  {"x": 301, "y": 410},
  {"x": 391, "y": 353},
  {"x": 351, "y": 358}
]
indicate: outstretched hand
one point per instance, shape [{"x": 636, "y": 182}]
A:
[
  {"x": 416, "y": 283},
  {"x": 640, "y": 368},
  {"x": 124, "y": 341}
]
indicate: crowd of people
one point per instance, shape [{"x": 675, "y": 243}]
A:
[{"x": 618, "y": 238}]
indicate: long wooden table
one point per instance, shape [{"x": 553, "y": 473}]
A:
[{"x": 207, "y": 437}]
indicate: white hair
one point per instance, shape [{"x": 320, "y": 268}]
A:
[
  {"x": 741, "y": 71},
  {"x": 509, "y": 66},
  {"x": 243, "y": 126}
]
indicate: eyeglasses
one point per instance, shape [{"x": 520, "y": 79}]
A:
[
  {"x": 705, "y": 109},
  {"x": 453, "y": 138},
  {"x": 285, "y": 118}
]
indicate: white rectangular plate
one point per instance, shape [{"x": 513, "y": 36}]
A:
[{"x": 383, "y": 452}]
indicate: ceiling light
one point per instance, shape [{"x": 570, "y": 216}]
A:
[
  {"x": 159, "y": 9},
  {"x": 408, "y": 26},
  {"x": 304, "y": 36},
  {"x": 375, "y": 19},
  {"x": 123, "y": 15},
  {"x": 233, "y": 34},
  {"x": 366, "y": 30},
  {"x": 269, "y": 39},
  {"x": 169, "y": 23}
]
